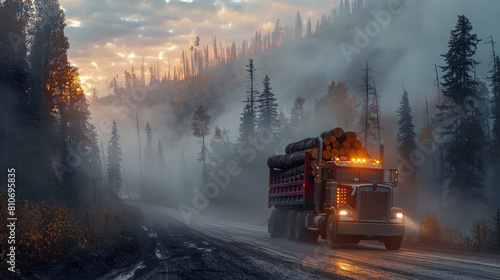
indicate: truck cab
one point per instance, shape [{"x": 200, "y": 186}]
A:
[
  {"x": 357, "y": 199},
  {"x": 343, "y": 201}
]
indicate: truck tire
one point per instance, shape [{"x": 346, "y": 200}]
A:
[
  {"x": 300, "y": 228},
  {"x": 290, "y": 224},
  {"x": 393, "y": 243},
  {"x": 331, "y": 232},
  {"x": 276, "y": 226}
]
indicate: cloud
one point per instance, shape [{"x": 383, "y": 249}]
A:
[{"x": 99, "y": 30}]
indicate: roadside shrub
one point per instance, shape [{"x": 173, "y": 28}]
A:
[
  {"x": 482, "y": 236},
  {"x": 452, "y": 236},
  {"x": 496, "y": 229},
  {"x": 430, "y": 229},
  {"x": 47, "y": 232}
]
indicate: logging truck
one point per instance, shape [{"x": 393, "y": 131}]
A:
[{"x": 343, "y": 199}]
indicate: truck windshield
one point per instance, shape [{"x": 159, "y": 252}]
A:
[{"x": 358, "y": 174}]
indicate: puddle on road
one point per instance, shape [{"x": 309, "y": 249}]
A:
[
  {"x": 129, "y": 274},
  {"x": 192, "y": 245},
  {"x": 159, "y": 255}
]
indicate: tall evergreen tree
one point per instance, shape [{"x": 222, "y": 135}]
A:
[
  {"x": 308, "y": 28},
  {"x": 297, "y": 115},
  {"x": 347, "y": 9},
  {"x": 149, "y": 161},
  {"x": 115, "y": 180},
  {"x": 267, "y": 107},
  {"x": 162, "y": 177},
  {"x": 149, "y": 150},
  {"x": 200, "y": 127},
  {"x": 338, "y": 105},
  {"x": 247, "y": 128},
  {"x": 161, "y": 162},
  {"x": 495, "y": 133},
  {"x": 463, "y": 159},
  {"x": 251, "y": 92},
  {"x": 366, "y": 120},
  {"x": 458, "y": 82},
  {"x": 222, "y": 149},
  {"x": 298, "y": 26},
  {"x": 407, "y": 143}
]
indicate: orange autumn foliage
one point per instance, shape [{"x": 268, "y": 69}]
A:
[{"x": 48, "y": 232}]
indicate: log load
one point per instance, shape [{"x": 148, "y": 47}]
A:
[
  {"x": 287, "y": 160},
  {"x": 336, "y": 143}
]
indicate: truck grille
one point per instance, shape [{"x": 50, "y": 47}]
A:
[{"x": 374, "y": 206}]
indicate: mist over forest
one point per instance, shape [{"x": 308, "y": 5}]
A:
[
  {"x": 199, "y": 109},
  {"x": 402, "y": 54}
]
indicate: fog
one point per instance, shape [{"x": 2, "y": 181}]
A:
[{"x": 401, "y": 54}]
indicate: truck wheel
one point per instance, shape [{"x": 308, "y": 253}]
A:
[
  {"x": 393, "y": 243},
  {"x": 276, "y": 226},
  {"x": 300, "y": 229},
  {"x": 331, "y": 232},
  {"x": 290, "y": 224}
]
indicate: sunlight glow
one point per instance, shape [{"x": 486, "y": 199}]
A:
[
  {"x": 227, "y": 27},
  {"x": 132, "y": 55},
  {"x": 120, "y": 54},
  {"x": 74, "y": 23},
  {"x": 172, "y": 48},
  {"x": 131, "y": 19}
]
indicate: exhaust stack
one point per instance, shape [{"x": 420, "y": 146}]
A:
[{"x": 317, "y": 179}]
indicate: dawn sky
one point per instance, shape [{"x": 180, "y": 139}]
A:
[{"x": 107, "y": 37}]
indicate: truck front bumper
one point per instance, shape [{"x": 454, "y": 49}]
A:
[{"x": 371, "y": 229}]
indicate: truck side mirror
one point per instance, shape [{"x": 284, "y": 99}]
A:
[{"x": 390, "y": 177}]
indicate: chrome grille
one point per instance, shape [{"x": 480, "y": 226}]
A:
[{"x": 374, "y": 205}]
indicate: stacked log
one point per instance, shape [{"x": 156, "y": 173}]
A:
[
  {"x": 286, "y": 161},
  {"x": 336, "y": 143}
]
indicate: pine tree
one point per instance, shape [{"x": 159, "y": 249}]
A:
[
  {"x": 200, "y": 127},
  {"x": 114, "y": 151},
  {"x": 366, "y": 120},
  {"x": 463, "y": 159},
  {"x": 496, "y": 229},
  {"x": 347, "y": 9},
  {"x": 407, "y": 143},
  {"x": 298, "y": 26},
  {"x": 308, "y": 28},
  {"x": 495, "y": 102},
  {"x": 148, "y": 150},
  {"x": 297, "y": 115},
  {"x": 161, "y": 162},
  {"x": 247, "y": 128},
  {"x": 285, "y": 132},
  {"x": 338, "y": 105},
  {"x": 458, "y": 80},
  {"x": 161, "y": 176},
  {"x": 148, "y": 165},
  {"x": 267, "y": 108},
  {"x": 375, "y": 113},
  {"x": 252, "y": 95},
  {"x": 277, "y": 34},
  {"x": 222, "y": 149}
]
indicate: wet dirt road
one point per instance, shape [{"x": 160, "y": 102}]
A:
[{"x": 213, "y": 248}]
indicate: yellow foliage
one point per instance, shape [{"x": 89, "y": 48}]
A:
[{"x": 47, "y": 232}]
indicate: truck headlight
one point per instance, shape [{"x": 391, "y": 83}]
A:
[
  {"x": 399, "y": 215},
  {"x": 346, "y": 215}
]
